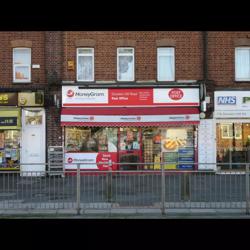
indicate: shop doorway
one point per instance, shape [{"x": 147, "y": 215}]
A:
[
  {"x": 130, "y": 148},
  {"x": 33, "y": 141}
]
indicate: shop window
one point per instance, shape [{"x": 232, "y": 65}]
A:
[
  {"x": 125, "y": 64},
  {"x": 165, "y": 64},
  {"x": 227, "y": 131},
  {"x": 233, "y": 141},
  {"x": 80, "y": 139},
  {"x": 21, "y": 64},
  {"x": 242, "y": 64},
  {"x": 85, "y": 64},
  {"x": 172, "y": 146},
  {"x": 9, "y": 148}
]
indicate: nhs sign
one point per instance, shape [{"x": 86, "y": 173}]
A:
[{"x": 226, "y": 100}]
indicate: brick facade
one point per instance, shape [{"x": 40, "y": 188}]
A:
[
  {"x": 188, "y": 47},
  {"x": 52, "y": 51}
]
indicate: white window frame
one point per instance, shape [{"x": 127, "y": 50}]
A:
[
  {"x": 117, "y": 63},
  {"x": 235, "y": 71},
  {"x": 227, "y": 126},
  {"x": 92, "y": 54},
  {"x": 158, "y": 63},
  {"x": 21, "y": 65}
]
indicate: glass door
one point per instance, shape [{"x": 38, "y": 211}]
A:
[
  {"x": 233, "y": 144},
  {"x": 129, "y": 148}
]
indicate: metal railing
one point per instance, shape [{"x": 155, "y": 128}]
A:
[{"x": 82, "y": 191}]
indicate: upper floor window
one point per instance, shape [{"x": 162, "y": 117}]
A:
[
  {"x": 125, "y": 64},
  {"x": 165, "y": 64},
  {"x": 85, "y": 64},
  {"x": 242, "y": 64},
  {"x": 21, "y": 64}
]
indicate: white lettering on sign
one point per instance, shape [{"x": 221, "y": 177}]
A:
[{"x": 226, "y": 100}]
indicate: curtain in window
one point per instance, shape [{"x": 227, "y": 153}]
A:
[
  {"x": 166, "y": 68},
  {"x": 126, "y": 68},
  {"x": 85, "y": 67},
  {"x": 242, "y": 64}
]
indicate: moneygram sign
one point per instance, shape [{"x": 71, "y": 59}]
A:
[{"x": 73, "y": 96}]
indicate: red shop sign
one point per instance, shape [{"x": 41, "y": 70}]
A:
[{"x": 175, "y": 94}]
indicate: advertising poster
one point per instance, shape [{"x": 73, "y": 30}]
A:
[
  {"x": 89, "y": 160},
  {"x": 1, "y": 140},
  {"x": 31, "y": 99}
]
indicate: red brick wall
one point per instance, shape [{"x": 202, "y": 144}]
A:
[
  {"x": 188, "y": 53},
  {"x": 221, "y": 66},
  {"x": 37, "y": 55}
]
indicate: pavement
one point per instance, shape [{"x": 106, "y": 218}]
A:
[{"x": 127, "y": 214}]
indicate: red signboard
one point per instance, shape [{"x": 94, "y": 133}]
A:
[
  {"x": 73, "y": 96},
  {"x": 130, "y": 97},
  {"x": 107, "y": 158}
]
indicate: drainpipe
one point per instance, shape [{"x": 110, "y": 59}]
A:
[
  {"x": 205, "y": 74},
  {"x": 205, "y": 56}
]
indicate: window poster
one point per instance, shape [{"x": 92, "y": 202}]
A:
[
  {"x": 1, "y": 140},
  {"x": 173, "y": 139}
]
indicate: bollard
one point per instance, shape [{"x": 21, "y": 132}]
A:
[
  {"x": 78, "y": 189},
  {"x": 247, "y": 190},
  {"x": 163, "y": 190}
]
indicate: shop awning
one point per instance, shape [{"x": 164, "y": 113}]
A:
[{"x": 122, "y": 117}]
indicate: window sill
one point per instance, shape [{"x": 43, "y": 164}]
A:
[
  {"x": 92, "y": 81},
  {"x": 21, "y": 83},
  {"x": 242, "y": 81}
]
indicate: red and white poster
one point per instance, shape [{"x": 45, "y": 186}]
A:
[
  {"x": 73, "y": 96},
  {"x": 91, "y": 160}
]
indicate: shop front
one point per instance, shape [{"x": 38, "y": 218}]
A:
[
  {"x": 10, "y": 132},
  {"x": 130, "y": 126},
  {"x": 22, "y": 131},
  {"x": 232, "y": 125}
]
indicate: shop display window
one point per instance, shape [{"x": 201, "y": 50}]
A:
[
  {"x": 173, "y": 145},
  {"x": 9, "y": 148},
  {"x": 233, "y": 144},
  {"x": 80, "y": 139},
  {"x": 129, "y": 139}
]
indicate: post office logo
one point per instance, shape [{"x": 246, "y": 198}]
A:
[{"x": 175, "y": 94}]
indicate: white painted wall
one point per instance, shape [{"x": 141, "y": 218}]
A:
[{"x": 207, "y": 144}]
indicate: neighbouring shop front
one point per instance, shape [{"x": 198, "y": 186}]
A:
[
  {"x": 22, "y": 131},
  {"x": 146, "y": 125},
  {"x": 232, "y": 122}
]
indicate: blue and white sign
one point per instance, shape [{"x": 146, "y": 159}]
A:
[
  {"x": 232, "y": 104},
  {"x": 226, "y": 100}
]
